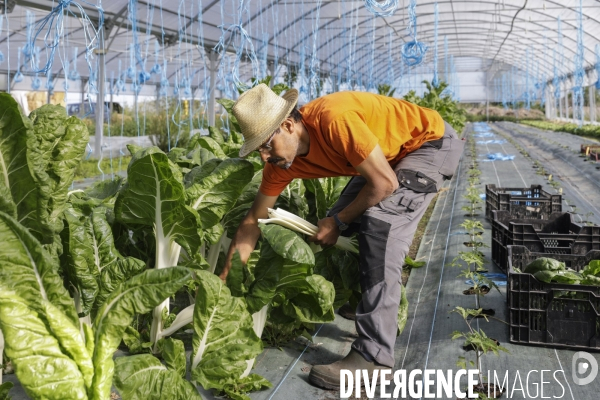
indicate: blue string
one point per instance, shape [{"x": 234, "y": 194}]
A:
[
  {"x": 1, "y": 24},
  {"x": 275, "y": 16},
  {"x": 52, "y": 29},
  {"x": 36, "y": 83},
  {"x": 314, "y": 62},
  {"x": 73, "y": 74},
  {"x": 435, "y": 81},
  {"x": 29, "y": 49},
  {"x": 372, "y": 60},
  {"x": 413, "y": 51},
  {"x": 384, "y": 8},
  {"x": 156, "y": 68},
  {"x": 244, "y": 46},
  {"x": 19, "y": 75}
]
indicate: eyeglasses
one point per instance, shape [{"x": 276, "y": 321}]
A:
[{"x": 266, "y": 147}]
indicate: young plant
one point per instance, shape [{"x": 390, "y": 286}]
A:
[
  {"x": 475, "y": 229},
  {"x": 473, "y": 196},
  {"x": 481, "y": 343}
]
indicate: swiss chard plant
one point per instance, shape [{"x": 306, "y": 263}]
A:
[{"x": 41, "y": 326}]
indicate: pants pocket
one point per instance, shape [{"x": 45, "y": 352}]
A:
[
  {"x": 403, "y": 201},
  {"x": 372, "y": 242}
]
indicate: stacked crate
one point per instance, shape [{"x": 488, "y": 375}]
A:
[{"x": 528, "y": 224}]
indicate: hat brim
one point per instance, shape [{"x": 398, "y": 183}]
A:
[{"x": 291, "y": 98}]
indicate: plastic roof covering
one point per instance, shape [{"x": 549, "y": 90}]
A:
[{"x": 483, "y": 36}]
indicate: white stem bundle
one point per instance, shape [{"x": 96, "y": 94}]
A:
[{"x": 295, "y": 223}]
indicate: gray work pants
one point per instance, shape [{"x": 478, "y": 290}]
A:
[{"x": 386, "y": 231}]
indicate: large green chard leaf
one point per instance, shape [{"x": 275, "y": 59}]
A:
[
  {"x": 232, "y": 219},
  {"x": 26, "y": 268},
  {"x": 292, "y": 199},
  {"x": 15, "y": 129},
  {"x": 209, "y": 144},
  {"x": 6, "y": 203},
  {"x": 544, "y": 264},
  {"x": 51, "y": 363},
  {"x": 285, "y": 262},
  {"x": 91, "y": 262},
  {"x": 138, "y": 295},
  {"x": 173, "y": 352},
  {"x": 214, "y": 188},
  {"x": 154, "y": 196},
  {"x": 339, "y": 267},
  {"x": 106, "y": 189},
  {"x": 313, "y": 303},
  {"x": 4, "y": 389},
  {"x": 144, "y": 377},
  {"x": 228, "y": 106},
  {"x": 223, "y": 335},
  {"x": 316, "y": 200},
  {"x": 53, "y": 151},
  {"x": 216, "y": 135}
]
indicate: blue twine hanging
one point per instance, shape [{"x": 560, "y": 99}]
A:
[
  {"x": 52, "y": 29},
  {"x": 19, "y": 75},
  {"x": 245, "y": 46},
  {"x": 143, "y": 77},
  {"x": 435, "y": 81},
  {"x": 156, "y": 68},
  {"x": 384, "y": 8},
  {"x": 314, "y": 77},
  {"x": 413, "y": 51},
  {"x": 50, "y": 83},
  {"x": 36, "y": 83},
  {"x": 28, "y": 49},
  {"x": 1, "y": 24},
  {"x": 73, "y": 74}
]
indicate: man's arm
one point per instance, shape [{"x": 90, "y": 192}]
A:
[
  {"x": 381, "y": 183},
  {"x": 247, "y": 233}
]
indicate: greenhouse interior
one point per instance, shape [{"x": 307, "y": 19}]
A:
[{"x": 299, "y": 199}]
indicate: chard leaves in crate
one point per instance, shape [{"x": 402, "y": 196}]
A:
[{"x": 544, "y": 264}]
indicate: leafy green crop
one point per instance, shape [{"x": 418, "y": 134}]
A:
[
  {"x": 41, "y": 327},
  {"x": 585, "y": 130},
  {"x": 437, "y": 100}
]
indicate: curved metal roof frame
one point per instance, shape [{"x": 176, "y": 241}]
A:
[{"x": 497, "y": 32}]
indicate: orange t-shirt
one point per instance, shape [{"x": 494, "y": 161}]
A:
[{"x": 344, "y": 128}]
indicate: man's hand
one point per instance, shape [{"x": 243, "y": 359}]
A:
[
  {"x": 328, "y": 233},
  {"x": 247, "y": 233}
]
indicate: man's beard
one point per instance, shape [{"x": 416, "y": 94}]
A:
[{"x": 275, "y": 160}]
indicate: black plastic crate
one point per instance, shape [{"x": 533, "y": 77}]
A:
[
  {"x": 531, "y": 202},
  {"x": 558, "y": 234},
  {"x": 552, "y": 314}
]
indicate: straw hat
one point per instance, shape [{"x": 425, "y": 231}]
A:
[{"x": 259, "y": 111}]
